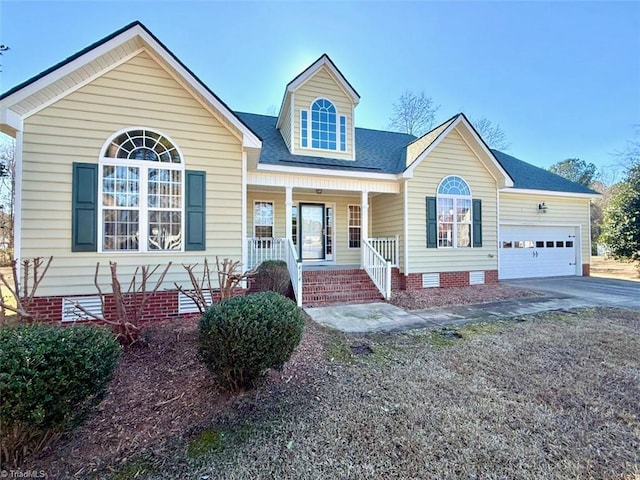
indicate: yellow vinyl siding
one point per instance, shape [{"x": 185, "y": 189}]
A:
[
  {"x": 452, "y": 156},
  {"x": 342, "y": 254},
  {"x": 516, "y": 208},
  {"x": 421, "y": 144},
  {"x": 323, "y": 85},
  {"x": 138, "y": 93},
  {"x": 285, "y": 126},
  {"x": 387, "y": 219}
]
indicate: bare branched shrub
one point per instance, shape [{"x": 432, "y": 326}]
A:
[
  {"x": 22, "y": 289},
  {"x": 202, "y": 292},
  {"x": 130, "y": 304}
]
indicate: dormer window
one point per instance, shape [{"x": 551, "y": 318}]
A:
[{"x": 327, "y": 130}]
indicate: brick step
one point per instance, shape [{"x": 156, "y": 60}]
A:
[
  {"x": 338, "y": 287},
  {"x": 335, "y": 298}
]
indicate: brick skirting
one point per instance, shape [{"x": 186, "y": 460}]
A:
[
  {"x": 319, "y": 288},
  {"x": 586, "y": 270},
  {"x": 160, "y": 306},
  {"x": 413, "y": 281}
]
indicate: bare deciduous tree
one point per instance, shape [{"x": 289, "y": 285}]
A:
[
  {"x": 491, "y": 133},
  {"x": 129, "y": 304},
  {"x": 229, "y": 277},
  {"x": 7, "y": 198},
  {"x": 22, "y": 289},
  {"x": 413, "y": 113}
]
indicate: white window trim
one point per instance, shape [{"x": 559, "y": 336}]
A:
[
  {"x": 309, "y": 130},
  {"x": 144, "y": 167},
  {"x": 349, "y": 226},
  {"x": 455, "y": 198},
  {"x": 273, "y": 218}
]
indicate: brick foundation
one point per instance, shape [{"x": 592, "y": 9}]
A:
[
  {"x": 586, "y": 270},
  {"x": 160, "y": 306},
  {"x": 413, "y": 281}
]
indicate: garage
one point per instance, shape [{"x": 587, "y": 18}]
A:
[{"x": 537, "y": 251}]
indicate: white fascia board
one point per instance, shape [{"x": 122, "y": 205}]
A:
[
  {"x": 326, "y": 172},
  {"x": 72, "y": 66},
  {"x": 408, "y": 172},
  {"x": 507, "y": 177},
  {"x": 249, "y": 138},
  {"x": 10, "y": 119},
  {"x": 284, "y": 100},
  {"x": 549, "y": 193},
  {"x": 312, "y": 69}
]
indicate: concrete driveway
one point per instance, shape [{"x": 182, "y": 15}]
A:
[{"x": 594, "y": 291}]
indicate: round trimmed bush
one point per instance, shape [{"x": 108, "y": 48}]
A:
[
  {"x": 242, "y": 337},
  {"x": 50, "y": 377}
]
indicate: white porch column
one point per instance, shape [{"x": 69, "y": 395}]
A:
[
  {"x": 288, "y": 199},
  {"x": 364, "y": 223}
]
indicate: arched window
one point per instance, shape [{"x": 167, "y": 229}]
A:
[
  {"x": 141, "y": 185},
  {"x": 454, "y": 213},
  {"x": 323, "y": 131}
]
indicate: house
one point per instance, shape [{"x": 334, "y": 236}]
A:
[{"x": 124, "y": 155}]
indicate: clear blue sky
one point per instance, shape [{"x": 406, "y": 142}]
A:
[{"x": 562, "y": 79}]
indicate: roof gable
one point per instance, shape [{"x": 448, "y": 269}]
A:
[
  {"x": 324, "y": 62},
  {"x": 469, "y": 134},
  {"x": 82, "y": 67}
]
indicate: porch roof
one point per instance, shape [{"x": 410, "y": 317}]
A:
[{"x": 377, "y": 151}]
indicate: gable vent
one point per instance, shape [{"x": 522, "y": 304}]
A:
[{"x": 71, "y": 313}]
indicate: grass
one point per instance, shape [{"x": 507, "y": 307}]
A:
[{"x": 548, "y": 396}]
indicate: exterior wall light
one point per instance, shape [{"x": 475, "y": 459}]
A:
[{"x": 542, "y": 208}]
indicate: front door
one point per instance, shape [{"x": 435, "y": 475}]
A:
[{"x": 312, "y": 231}]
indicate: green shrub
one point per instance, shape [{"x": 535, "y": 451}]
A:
[
  {"x": 273, "y": 276},
  {"x": 242, "y": 337},
  {"x": 50, "y": 377}
]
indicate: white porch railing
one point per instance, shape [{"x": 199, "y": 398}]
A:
[
  {"x": 265, "y": 248},
  {"x": 378, "y": 268},
  {"x": 294, "y": 265},
  {"x": 387, "y": 247},
  {"x": 262, "y": 249}
]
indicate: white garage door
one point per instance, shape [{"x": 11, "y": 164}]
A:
[{"x": 537, "y": 251}]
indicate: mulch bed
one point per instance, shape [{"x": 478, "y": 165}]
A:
[{"x": 159, "y": 397}]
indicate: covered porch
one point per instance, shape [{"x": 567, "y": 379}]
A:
[{"x": 318, "y": 230}]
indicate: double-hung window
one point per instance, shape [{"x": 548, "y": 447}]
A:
[
  {"x": 454, "y": 213},
  {"x": 263, "y": 223},
  {"x": 355, "y": 223},
  {"x": 141, "y": 185}
]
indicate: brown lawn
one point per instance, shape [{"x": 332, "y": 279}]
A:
[
  {"x": 548, "y": 396},
  {"x": 610, "y": 268}
]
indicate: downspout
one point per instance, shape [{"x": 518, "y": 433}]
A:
[
  {"x": 243, "y": 214},
  {"x": 406, "y": 227},
  {"x": 17, "y": 206}
]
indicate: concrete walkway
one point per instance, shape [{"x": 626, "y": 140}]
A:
[{"x": 384, "y": 317}]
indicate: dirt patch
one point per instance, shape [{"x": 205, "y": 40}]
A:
[
  {"x": 439, "y": 297},
  {"x": 610, "y": 268}
]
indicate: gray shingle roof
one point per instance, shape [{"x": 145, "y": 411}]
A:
[
  {"x": 529, "y": 176},
  {"x": 378, "y": 151}
]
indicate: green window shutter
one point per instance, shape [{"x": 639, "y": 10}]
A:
[
  {"x": 84, "y": 208},
  {"x": 432, "y": 223},
  {"x": 477, "y": 222},
  {"x": 195, "y": 210}
]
